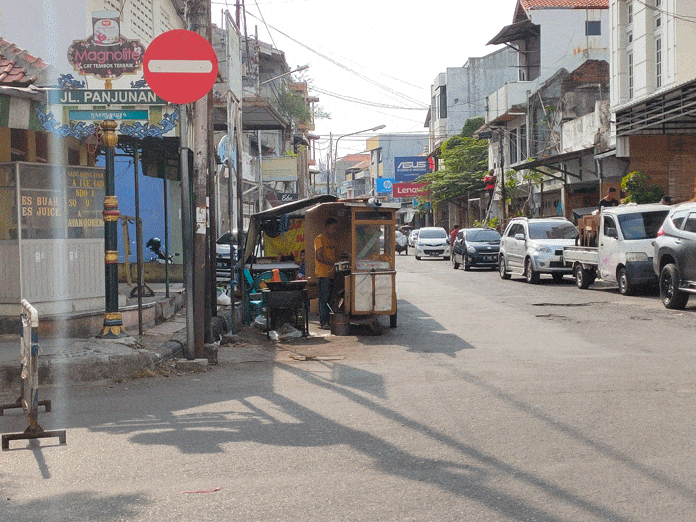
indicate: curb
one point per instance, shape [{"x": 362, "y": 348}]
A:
[{"x": 98, "y": 366}]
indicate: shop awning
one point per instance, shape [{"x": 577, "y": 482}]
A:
[
  {"x": 259, "y": 114},
  {"x": 515, "y": 32},
  {"x": 553, "y": 163},
  {"x": 670, "y": 112}
]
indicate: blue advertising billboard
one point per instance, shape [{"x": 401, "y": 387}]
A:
[
  {"x": 384, "y": 185},
  {"x": 408, "y": 168}
]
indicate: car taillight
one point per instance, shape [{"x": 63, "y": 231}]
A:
[{"x": 661, "y": 232}]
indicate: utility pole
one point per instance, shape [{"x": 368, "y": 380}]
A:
[
  {"x": 501, "y": 155},
  {"x": 329, "y": 164},
  {"x": 198, "y": 18}
]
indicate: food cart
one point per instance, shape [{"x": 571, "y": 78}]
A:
[
  {"x": 365, "y": 271},
  {"x": 273, "y": 245}
]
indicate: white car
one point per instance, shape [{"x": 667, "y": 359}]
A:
[
  {"x": 432, "y": 242},
  {"x": 413, "y": 238}
]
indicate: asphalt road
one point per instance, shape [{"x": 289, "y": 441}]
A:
[{"x": 492, "y": 400}]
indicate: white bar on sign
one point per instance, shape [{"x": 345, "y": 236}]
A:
[{"x": 180, "y": 66}]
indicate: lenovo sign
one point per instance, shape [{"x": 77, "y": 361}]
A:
[
  {"x": 408, "y": 190},
  {"x": 408, "y": 168}
]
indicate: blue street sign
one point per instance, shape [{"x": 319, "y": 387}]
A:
[{"x": 108, "y": 115}]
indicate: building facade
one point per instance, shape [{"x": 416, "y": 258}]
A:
[{"x": 653, "y": 90}]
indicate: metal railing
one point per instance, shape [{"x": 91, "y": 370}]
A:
[{"x": 29, "y": 395}]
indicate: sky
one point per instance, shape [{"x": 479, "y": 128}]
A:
[
  {"x": 384, "y": 52},
  {"x": 400, "y": 45}
]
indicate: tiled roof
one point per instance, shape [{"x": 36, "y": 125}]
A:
[
  {"x": 18, "y": 68},
  {"x": 565, "y": 4},
  {"x": 13, "y": 75}
]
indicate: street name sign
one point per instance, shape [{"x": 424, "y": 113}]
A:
[
  {"x": 180, "y": 66},
  {"x": 104, "y": 97}
]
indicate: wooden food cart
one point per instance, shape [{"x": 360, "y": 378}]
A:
[{"x": 366, "y": 274}]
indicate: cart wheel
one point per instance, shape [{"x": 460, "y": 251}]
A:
[{"x": 392, "y": 321}]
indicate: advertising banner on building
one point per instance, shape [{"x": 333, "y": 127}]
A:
[
  {"x": 384, "y": 185},
  {"x": 106, "y": 54},
  {"x": 408, "y": 190},
  {"x": 279, "y": 169},
  {"x": 408, "y": 168}
]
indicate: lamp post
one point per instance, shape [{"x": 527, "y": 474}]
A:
[
  {"x": 113, "y": 323},
  {"x": 300, "y": 68},
  {"x": 333, "y": 170}
]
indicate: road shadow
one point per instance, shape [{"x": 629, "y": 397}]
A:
[
  {"x": 69, "y": 507},
  {"x": 430, "y": 337},
  {"x": 251, "y": 408}
]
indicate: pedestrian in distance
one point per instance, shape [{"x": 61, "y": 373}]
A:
[
  {"x": 610, "y": 199},
  {"x": 324, "y": 259},
  {"x": 490, "y": 180},
  {"x": 453, "y": 234}
]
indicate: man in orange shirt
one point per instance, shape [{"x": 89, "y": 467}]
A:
[{"x": 324, "y": 259}]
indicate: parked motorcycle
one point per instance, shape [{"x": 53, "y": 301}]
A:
[{"x": 155, "y": 246}]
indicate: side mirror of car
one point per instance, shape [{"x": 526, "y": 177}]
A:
[
  {"x": 519, "y": 237},
  {"x": 448, "y": 241},
  {"x": 611, "y": 232}
]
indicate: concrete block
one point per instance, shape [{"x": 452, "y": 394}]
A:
[
  {"x": 211, "y": 353},
  {"x": 196, "y": 365}
]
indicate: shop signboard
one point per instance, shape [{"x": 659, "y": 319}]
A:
[
  {"x": 279, "y": 169},
  {"x": 408, "y": 190},
  {"x": 409, "y": 168},
  {"x": 384, "y": 185},
  {"x": 106, "y": 54}
]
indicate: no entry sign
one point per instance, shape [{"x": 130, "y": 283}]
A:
[{"x": 180, "y": 66}]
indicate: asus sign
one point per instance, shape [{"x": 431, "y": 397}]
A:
[{"x": 408, "y": 168}]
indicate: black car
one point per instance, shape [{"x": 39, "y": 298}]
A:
[
  {"x": 476, "y": 247},
  {"x": 675, "y": 256},
  {"x": 225, "y": 244}
]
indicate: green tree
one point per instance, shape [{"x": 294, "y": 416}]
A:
[
  {"x": 465, "y": 161},
  {"x": 639, "y": 189}
]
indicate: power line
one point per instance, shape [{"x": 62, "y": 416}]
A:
[
  {"x": 346, "y": 68},
  {"x": 347, "y": 98},
  {"x": 264, "y": 23}
]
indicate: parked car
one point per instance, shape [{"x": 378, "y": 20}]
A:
[
  {"x": 476, "y": 247},
  {"x": 624, "y": 238},
  {"x": 534, "y": 246},
  {"x": 223, "y": 260},
  {"x": 675, "y": 256},
  {"x": 413, "y": 238},
  {"x": 432, "y": 242}
]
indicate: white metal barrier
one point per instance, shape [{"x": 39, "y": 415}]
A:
[{"x": 29, "y": 397}]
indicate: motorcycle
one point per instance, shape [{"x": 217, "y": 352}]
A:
[
  {"x": 401, "y": 243},
  {"x": 155, "y": 246}
]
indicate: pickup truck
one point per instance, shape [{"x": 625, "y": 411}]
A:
[{"x": 617, "y": 245}]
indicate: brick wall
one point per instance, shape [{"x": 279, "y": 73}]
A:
[{"x": 669, "y": 160}]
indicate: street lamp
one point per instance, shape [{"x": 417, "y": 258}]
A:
[
  {"x": 333, "y": 173},
  {"x": 301, "y": 68}
]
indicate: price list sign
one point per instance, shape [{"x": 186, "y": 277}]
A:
[{"x": 85, "y": 194}]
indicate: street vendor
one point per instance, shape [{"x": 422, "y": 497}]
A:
[{"x": 324, "y": 258}]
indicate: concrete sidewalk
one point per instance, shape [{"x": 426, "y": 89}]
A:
[{"x": 92, "y": 359}]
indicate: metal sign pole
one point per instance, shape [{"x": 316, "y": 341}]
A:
[{"x": 187, "y": 231}]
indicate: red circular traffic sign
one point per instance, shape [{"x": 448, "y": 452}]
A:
[{"x": 180, "y": 66}]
